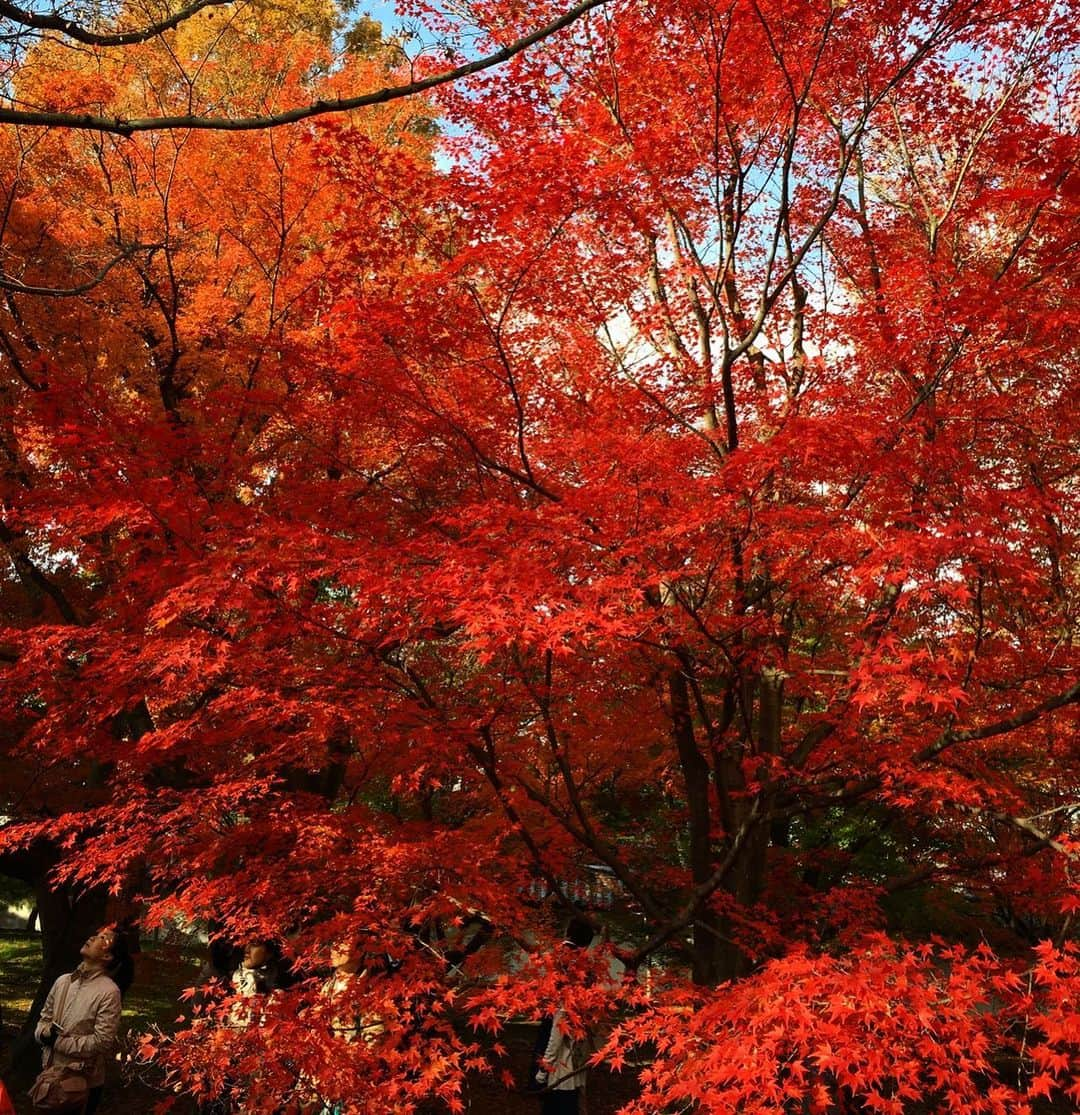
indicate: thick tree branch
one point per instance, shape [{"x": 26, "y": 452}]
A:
[
  {"x": 1000, "y": 727},
  {"x": 34, "y": 576},
  {"x": 1030, "y": 830},
  {"x": 698, "y": 895},
  {"x": 50, "y": 21},
  {"x": 117, "y": 125},
  {"x": 71, "y": 292}
]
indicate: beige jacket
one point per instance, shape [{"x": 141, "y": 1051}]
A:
[
  {"x": 365, "y": 1027},
  {"x": 89, "y": 1005},
  {"x": 564, "y": 1058}
]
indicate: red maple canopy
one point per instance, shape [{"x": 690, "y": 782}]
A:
[{"x": 659, "y": 477}]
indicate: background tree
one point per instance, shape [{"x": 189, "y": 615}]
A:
[{"x": 137, "y": 277}]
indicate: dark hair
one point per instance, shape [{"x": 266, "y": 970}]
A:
[
  {"x": 224, "y": 956},
  {"x": 121, "y": 968},
  {"x": 275, "y": 972},
  {"x": 579, "y": 933}
]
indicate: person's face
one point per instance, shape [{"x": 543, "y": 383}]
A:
[
  {"x": 256, "y": 954},
  {"x": 98, "y": 948},
  {"x": 346, "y": 954}
]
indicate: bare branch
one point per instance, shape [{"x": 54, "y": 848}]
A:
[
  {"x": 32, "y": 576},
  {"x": 1000, "y": 727},
  {"x": 698, "y": 895},
  {"x": 1030, "y": 830}
]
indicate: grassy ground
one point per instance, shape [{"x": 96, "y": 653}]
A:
[
  {"x": 20, "y": 962},
  {"x": 161, "y": 973}
]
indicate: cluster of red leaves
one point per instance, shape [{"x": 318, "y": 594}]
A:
[
  {"x": 681, "y": 484},
  {"x": 878, "y": 1028}
]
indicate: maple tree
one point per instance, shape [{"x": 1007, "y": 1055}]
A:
[{"x": 677, "y": 478}]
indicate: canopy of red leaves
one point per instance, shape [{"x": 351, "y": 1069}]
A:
[{"x": 641, "y": 483}]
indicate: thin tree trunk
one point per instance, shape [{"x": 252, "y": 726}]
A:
[{"x": 696, "y": 780}]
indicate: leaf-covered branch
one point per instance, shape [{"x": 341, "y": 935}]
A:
[
  {"x": 53, "y": 21},
  {"x": 16, "y": 287},
  {"x": 129, "y": 126}
]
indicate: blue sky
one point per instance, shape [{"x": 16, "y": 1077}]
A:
[{"x": 383, "y": 12}]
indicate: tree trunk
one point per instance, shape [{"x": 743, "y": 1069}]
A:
[
  {"x": 746, "y": 880},
  {"x": 696, "y": 780}
]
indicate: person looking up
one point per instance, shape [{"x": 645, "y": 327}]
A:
[{"x": 81, "y": 1016}]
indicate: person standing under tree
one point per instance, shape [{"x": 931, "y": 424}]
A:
[
  {"x": 257, "y": 976},
  {"x": 81, "y": 1016},
  {"x": 559, "y": 1069},
  {"x": 348, "y": 961}
]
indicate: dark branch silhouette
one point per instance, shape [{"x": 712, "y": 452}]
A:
[
  {"x": 50, "y": 21},
  {"x": 125, "y": 127},
  {"x": 71, "y": 292}
]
